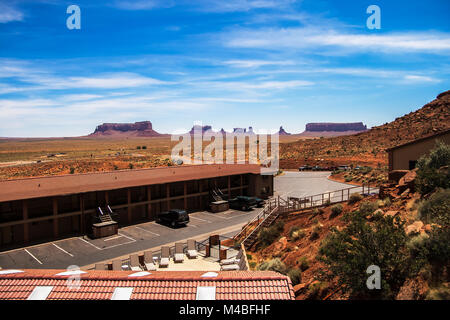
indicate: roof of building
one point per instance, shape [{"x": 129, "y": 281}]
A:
[
  {"x": 431, "y": 136},
  {"x": 158, "y": 285},
  {"x": 87, "y": 182}
]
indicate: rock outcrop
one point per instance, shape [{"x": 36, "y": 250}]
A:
[
  {"x": 336, "y": 127},
  {"x": 282, "y": 132},
  {"x": 137, "y": 129}
]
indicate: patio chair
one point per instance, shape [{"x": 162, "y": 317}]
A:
[
  {"x": 234, "y": 260},
  {"x": 148, "y": 261},
  {"x": 179, "y": 252},
  {"x": 134, "y": 263},
  {"x": 165, "y": 254},
  {"x": 191, "y": 249},
  {"x": 100, "y": 266},
  {"x": 117, "y": 265}
]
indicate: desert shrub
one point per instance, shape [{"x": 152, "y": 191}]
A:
[
  {"x": 327, "y": 202},
  {"x": 303, "y": 263},
  {"x": 295, "y": 275},
  {"x": 336, "y": 210},
  {"x": 273, "y": 265},
  {"x": 268, "y": 235},
  {"x": 138, "y": 147},
  {"x": 433, "y": 169},
  {"x": 252, "y": 265},
  {"x": 249, "y": 256},
  {"x": 293, "y": 229},
  {"x": 367, "y": 208},
  {"x": 316, "y": 290},
  {"x": 315, "y": 233},
  {"x": 387, "y": 202},
  {"x": 131, "y": 166},
  {"x": 436, "y": 208},
  {"x": 354, "y": 198},
  {"x": 116, "y": 167},
  {"x": 144, "y": 147},
  {"x": 349, "y": 252},
  {"x": 298, "y": 234},
  {"x": 441, "y": 293},
  {"x": 72, "y": 170}
]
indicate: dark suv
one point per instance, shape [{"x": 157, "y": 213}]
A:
[
  {"x": 174, "y": 217},
  {"x": 242, "y": 203}
]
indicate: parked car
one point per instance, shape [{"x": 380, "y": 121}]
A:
[
  {"x": 304, "y": 168},
  {"x": 242, "y": 203},
  {"x": 174, "y": 217},
  {"x": 259, "y": 202}
]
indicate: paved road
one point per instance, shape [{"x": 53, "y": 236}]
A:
[
  {"x": 83, "y": 251},
  {"x": 302, "y": 184}
]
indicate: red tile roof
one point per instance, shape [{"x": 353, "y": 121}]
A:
[
  {"x": 159, "y": 285},
  {"x": 28, "y": 188}
]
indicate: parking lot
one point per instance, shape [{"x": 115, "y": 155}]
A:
[{"x": 83, "y": 251}]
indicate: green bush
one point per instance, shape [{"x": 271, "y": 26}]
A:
[
  {"x": 433, "y": 169},
  {"x": 293, "y": 229},
  {"x": 367, "y": 208},
  {"x": 252, "y": 265},
  {"x": 268, "y": 235},
  {"x": 349, "y": 252},
  {"x": 296, "y": 235},
  {"x": 273, "y": 265},
  {"x": 436, "y": 209},
  {"x": 249, "y": 256},
  {"x": 295, "y": 275},
  {"x": 138, "y": 147},
  {"x": 72, "y": 170},
  {"x": 336, "y": 210},
  {"x": 354, "y": 198},
  {"x": 303, "y": 263},
  {"x": 131, "y": 166}
]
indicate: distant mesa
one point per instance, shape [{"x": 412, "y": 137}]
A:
[
  {"x": 283, "y": 132},
  {"x": 198, "y": 128},
  {"x": 330, "y": 129},
  {"x": 137, "y": 129}
]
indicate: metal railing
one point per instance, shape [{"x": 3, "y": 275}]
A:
[{"x": 278, "y": 205}]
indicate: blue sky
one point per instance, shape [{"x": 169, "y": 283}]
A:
[{"x": 235, "y": 63}]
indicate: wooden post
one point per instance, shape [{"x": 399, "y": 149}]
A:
[
  {"x": 200, "y": 189},
  {"x": 185, "y": 195},
  {"x": 83, "y": 229},
  {"x": 26, "y": 227},
  {"x": 149, "y": 205},
  {"x": 168, "y": 195},
  {"x": 129, "y": 204},
  {"x": 55, "y": 220},
  {"x": 242, "y": 183}
]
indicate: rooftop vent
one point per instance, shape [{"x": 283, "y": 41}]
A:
[
  {"x": 206, "y": 293},
  {"x": 139, "y": 274},
  {"x": 70, "y": 273},
  {"x": 11, "y": 271},
  {"x": 122, "y": 293},
  {"x": 210, "y": 275},
  {"x": 40, "y": 293}
]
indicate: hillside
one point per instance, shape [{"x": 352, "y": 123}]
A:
[{"x": 368, "y": 148}]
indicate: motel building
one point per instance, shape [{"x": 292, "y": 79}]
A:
[{"x": 54, "y": 207}]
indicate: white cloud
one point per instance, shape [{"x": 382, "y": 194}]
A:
[
  {"x": 310, "y": 37},
  {"x": 142, "y": 4},
  {"x": 256, "y": 63},
  {"x": 9, "y": 13},
  {"x": 242, "y": 5},
  {"x": 417, "y": 78}
]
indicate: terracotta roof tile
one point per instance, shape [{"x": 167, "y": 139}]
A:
[{"x": 99, "y": 285}]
